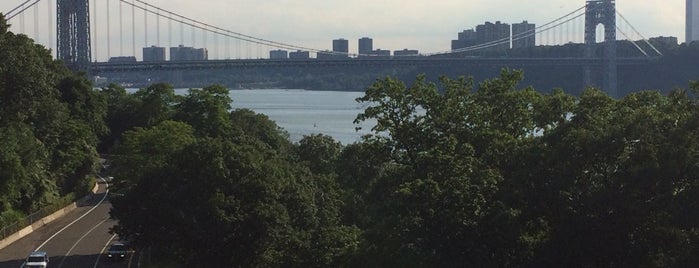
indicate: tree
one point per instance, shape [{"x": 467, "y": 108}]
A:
[
  {"x": 156, "y": 104},
  {"x": 121, "y": 115},
  {"x": 438, "y": 185},
  {"x": 230, "y": 200},
  {"x": 54, "y": 115},
  {"x": 207, "y": 110}
]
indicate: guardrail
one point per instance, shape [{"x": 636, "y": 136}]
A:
[{"x": 36, "y": 216}]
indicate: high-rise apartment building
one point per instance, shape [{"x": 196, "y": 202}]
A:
[
  {"x": 523, "y": 35},
  {"x": 495, "y": 35},
  {"x": 182, "y": 53},
  {"x": 153, "y": 53},
  {"x": 341, "y": 47},
  {"x": 366, "y": 46},
  {"x": 466, "y": 38},
  {"x": 692, "y": 27}
]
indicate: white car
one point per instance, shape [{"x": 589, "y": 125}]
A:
[{"x": 37, "y": 259}]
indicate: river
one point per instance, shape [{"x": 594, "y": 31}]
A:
[{"x": 305, "y": 112}]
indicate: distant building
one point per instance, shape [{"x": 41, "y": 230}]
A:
[
  {"x": 465, "y": 39},
  {"x": 523, "y": 35},
  {"x": 496, "y": 35},
  {"x": 278, "y": 54},
  {"x": 366, "y": 46},
  {"x": 668, "y": 42},
  {"x": 153, "y": 53},
  {"x": 324, "y": 55},
  {"x": 405, "y": 52},
  {"x": 341, "y": 47},
  {"x": 182, "y": 53},
  {"x": 122, "y": 59},
  {"x": 300, "y": 55},
  {"x": 381, "y": 53},
  {"x": 692, "y": 26}
]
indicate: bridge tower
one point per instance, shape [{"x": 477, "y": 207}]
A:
[
  {"x": 73, "y": 33},
  {"x": 601, "y": 12}
]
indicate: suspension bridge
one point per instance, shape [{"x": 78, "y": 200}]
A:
[{"x": 85, "y": 34}]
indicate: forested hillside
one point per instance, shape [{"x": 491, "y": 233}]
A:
[
  {"x": 50, "y": 124},
  {"x": 458, "y": 174}
]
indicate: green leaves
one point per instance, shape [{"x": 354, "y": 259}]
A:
[
  {"x": 53, "y": 115},
  {"x": 491, "y": 175}
]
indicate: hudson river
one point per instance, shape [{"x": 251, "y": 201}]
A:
[{"x": 304, "y": 112}]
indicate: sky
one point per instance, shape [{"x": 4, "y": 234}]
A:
[{"x": 424, "y": 25}]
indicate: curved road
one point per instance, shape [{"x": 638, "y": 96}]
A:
[{"x": 78, "y": 239}]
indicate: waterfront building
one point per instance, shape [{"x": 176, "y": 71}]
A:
[
  {"x": 692, "y": 24},
  {"x": 381, "y": 53},
  {"x": 366, "y": 46},
  {"x": 666, "y": 42},
  {"x": 122, "y": 59},
  {"x": 465, "y": 39},
  {"x": 523, "y": 35},
  {"x": 325, "y": 55},
  {"x": 278, "y": 54},
  {"x": 153, "y": 53},
  {"x": 496, "y": 35},
  {"x": 299, "y": 55},
  {"x": 341, "y": 47},
  {"x": 405, "y": 52},
  {"x": 182, "y": 53}
]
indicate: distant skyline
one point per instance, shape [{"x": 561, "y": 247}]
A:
[{"x": 427, "y": 26}]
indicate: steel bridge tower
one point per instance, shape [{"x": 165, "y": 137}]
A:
[
  {"x": 601, "y": 12},
  {"x": 73, "y": 33}
]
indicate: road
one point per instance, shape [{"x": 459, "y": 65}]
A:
[{"x": 78, "y": 239}]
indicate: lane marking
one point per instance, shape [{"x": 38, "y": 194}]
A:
[
  {"x": 80, "y": 239},
  {"x": 104, "y": 249},
  {"x": 131, "y": 258},
  {"x": 76, "y": 220}
]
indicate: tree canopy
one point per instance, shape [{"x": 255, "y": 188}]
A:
[
  {"x": 50, "y": 123},
  {"x": 486, "y": 174}
]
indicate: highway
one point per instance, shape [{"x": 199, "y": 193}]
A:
[{"x": 78, "y": 239}]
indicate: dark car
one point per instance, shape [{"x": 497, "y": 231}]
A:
[{"x": 117, "y": 251}]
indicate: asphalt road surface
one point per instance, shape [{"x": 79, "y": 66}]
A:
[{"x": 76, "y": 240}]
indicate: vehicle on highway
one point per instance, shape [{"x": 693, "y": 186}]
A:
[
  {"x": 37, "y": 259},
  {"x": 117, "y": 251}
]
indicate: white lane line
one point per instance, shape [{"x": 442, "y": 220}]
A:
[
  {"x": 76, "y": 220},
  {"x": 80, "y": 239},
  {"x": 103, "y": 249},
  {"x": 131, "y": 258}
]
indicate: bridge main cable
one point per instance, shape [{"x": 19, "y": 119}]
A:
[{"x": 10, "y": 15}]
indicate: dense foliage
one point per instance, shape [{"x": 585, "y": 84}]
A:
[
  {"x": 456, "y": 173},
  {"x": 50, "y": 123},
  {"x": 487, "y": 175}
]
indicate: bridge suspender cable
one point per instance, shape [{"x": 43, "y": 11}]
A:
[
  {"x": 545, "y": 27},
  {"x": 639, "y": 34},
  {"x": 217, "y": 30}
]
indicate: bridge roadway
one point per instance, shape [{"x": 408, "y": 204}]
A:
[
  {"x": 81, "y": 244},
  {"x": 407, "y": 61}
]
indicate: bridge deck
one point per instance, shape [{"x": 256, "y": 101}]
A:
[{"x": 99, "y": 67}]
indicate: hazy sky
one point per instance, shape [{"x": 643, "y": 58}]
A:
[{"x": 393, "y": 24}]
